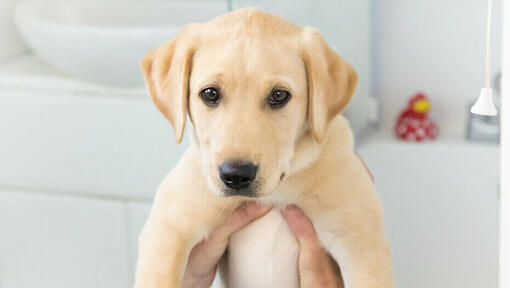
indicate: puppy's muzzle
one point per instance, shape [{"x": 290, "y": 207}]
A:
[{"x": 238, "y": 176}]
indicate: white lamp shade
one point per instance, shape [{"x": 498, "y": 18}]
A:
[{"x": 485, "y": 104}]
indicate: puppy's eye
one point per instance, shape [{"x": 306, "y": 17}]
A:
[
  {"x": 278, "y": 98},
  {"x": 210, "y": 96}
]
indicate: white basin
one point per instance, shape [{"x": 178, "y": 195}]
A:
[{"x": 104, "y": 41}]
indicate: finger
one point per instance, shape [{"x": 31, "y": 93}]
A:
[
  {"x": 205, "y": 256},
  {"x": 301, "y": 226},
  {"x": 242, "y": 216},
  {"x": 214, "y": 246},
  {"x": 316, "y": 266}
]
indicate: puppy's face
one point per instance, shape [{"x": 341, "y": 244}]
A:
[
  {"x": 253, "y": 85},
  {"x": 248, "y": 103}
]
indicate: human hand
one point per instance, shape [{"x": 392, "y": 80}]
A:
[
  {"x": 204, "y": 257},
  {"x": 316, "y": 267}
]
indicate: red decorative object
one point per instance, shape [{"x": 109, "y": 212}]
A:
[{"x": 413, "y": 123}]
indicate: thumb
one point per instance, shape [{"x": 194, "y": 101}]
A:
[
  {"x": 242, "y": 216},
  {"x": 316, "y": 267},
  {"x": 302, "y": 227},
  {"x": 205, "y": 255}
]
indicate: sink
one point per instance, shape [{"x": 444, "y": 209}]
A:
[{"x": 103, "y": 41}]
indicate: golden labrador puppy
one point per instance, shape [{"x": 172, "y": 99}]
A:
[{"x": 264, "y": 97}]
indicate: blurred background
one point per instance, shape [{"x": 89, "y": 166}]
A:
[{"x": 82, "y": 150}]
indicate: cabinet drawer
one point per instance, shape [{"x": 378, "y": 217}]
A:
[
  {"x": 55, "y": 241},
  {"x": 118, "y": 146}
]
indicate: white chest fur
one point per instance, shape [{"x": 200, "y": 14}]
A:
[{"x": 264, "y": 254}]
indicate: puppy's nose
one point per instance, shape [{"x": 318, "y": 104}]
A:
[{"x": 237, "y": 175}]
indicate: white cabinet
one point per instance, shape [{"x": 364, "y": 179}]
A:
[
  {"x": 137, "y": 215},
  {"x": 59, "y": 242},
  {"x": 441, "y": 206},
  {"x": 88, "y": 161}
]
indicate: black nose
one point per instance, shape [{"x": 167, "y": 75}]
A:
[{"x": 238, "y": 175}]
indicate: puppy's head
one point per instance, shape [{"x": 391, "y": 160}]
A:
[{"x": 253, "y": 85}]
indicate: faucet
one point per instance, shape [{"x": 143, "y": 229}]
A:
[{"x": 486, "y": 128}]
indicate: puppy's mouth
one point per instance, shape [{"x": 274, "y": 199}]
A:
[
  {"x": 236, "y": 183},
  {"x": 257, "y": 189},
  {"x": 247, "y": 192},
  {"x": 251, "y": 191}
]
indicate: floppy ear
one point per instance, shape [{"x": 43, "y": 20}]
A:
[
  {"x": 331, "y": 82},
  {"x": 166, "y": 70}
]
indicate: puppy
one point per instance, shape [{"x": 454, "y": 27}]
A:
[{"x": 263, "y": 96}]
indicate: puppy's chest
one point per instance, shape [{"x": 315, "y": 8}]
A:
[
  {"x": 264, "y": 254},
  {"x": 289, "y": 192}
]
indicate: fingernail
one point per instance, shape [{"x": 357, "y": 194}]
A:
[
  {"x": 261, "y": 205},
  {"x": 283, "y": 211},
  {"x": 293, "y": 209}
]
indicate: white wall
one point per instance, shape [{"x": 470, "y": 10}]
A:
[
  {"x": 436, "y": 46},
  {"x": 504, "y": 272}
]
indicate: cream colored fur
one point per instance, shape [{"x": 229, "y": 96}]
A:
[{"x": 304, "y": 152}]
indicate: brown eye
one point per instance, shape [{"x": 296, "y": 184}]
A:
[
  {"x": 278, "y": 98},
  {"x": 210, "y": 96}
]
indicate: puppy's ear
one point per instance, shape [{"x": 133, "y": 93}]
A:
[
  {"x": 331, "y": 82},
  {"x": 167, "y": 70}
]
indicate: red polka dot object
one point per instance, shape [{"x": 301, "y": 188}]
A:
[{"x": 413, "y": 123}]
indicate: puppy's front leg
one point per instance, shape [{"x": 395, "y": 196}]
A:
[
  {"x": 184, "y": 213},
  {"x": 365, "y": 260},
  {"x": 359, "y": 245},
  {"x": 165, "y": 244},
  {"x": 163, "y": 252}
]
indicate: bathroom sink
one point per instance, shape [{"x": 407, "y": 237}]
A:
[{"x": 104, "y": 41}]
